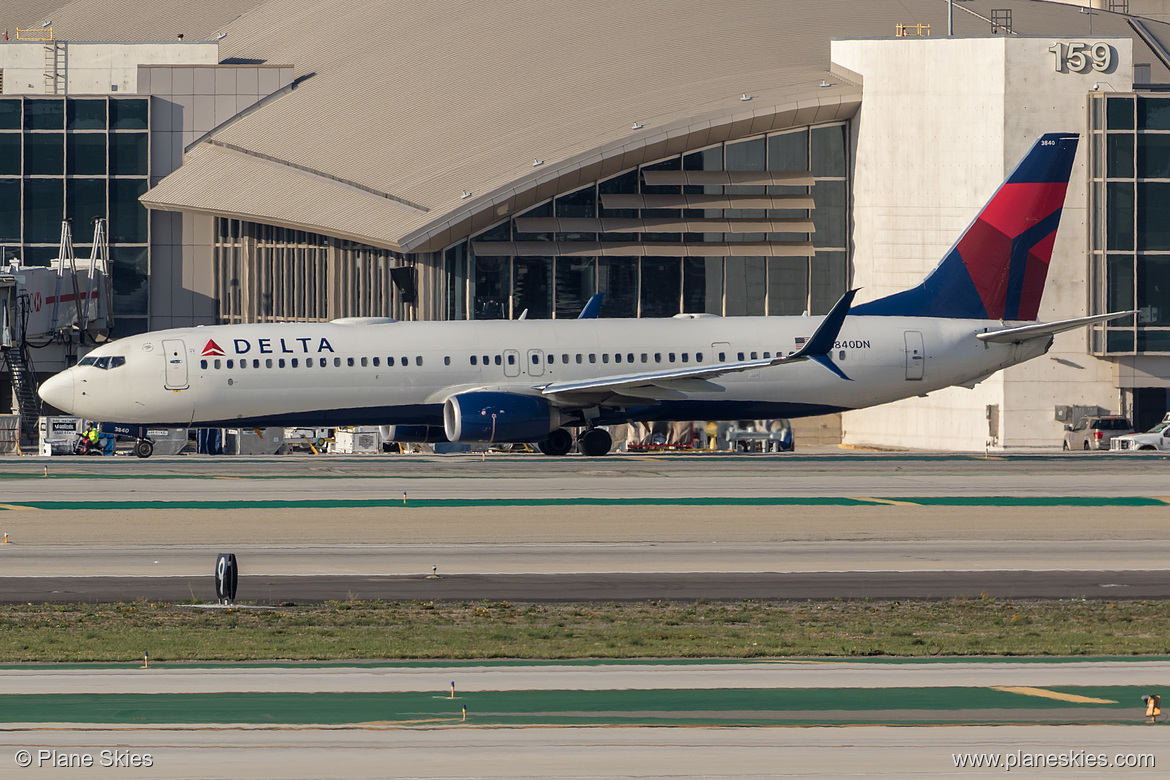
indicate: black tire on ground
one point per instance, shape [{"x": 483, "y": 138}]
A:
[
  {"x": 144, "y": 448},
  {"x": 559, "y": 442},
  {"x": 595, "y": 443}
]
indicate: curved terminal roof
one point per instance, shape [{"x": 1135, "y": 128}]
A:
[{"x": 401, "y": 107}]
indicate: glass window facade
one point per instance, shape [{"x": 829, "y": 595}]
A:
[
  {"x": 78, "y": 158},
  {"x": 273, "y": 274},
  {"x": 1130, "y": 214},
  {"x": 655, "y": 252}
]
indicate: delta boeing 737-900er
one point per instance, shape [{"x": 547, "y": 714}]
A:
[{"x": 533, "y": 380}]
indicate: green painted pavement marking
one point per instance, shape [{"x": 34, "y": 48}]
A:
[
  {"x": 563, "y": 706},
  {"x": 425, "y": 503}
]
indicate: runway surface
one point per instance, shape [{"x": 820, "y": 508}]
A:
[
  {"x": 402, "y": 720},
  {"x": 521, "y": 527},
  {"x": 541, "y": 588}
]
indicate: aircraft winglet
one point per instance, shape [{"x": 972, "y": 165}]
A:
[
  {"x": 592, "y": 308},
  {"x": 820, "y": 345}
]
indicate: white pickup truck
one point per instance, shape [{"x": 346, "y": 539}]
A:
[{"x": 1157, "y": 438}]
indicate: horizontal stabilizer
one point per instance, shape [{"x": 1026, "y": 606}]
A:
[{"x": 1045, "y": 329}]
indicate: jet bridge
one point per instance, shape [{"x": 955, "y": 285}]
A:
[{"x": 48, "y": 314}]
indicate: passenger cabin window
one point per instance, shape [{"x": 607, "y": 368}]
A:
[
  {"x": 405, "y": 362},
  {"x": 499, "y": 360},
  {"x": 217, "y": 363},
  {"x": 323, "y": 363},
  {"x": 349, "y": 361},
  {"x": 203, "y": 364},
  {"x": 686, "y": 358},
  {"x": 365, "y": 362},
  {"x": 645, "y": 358},
  {"x": 579, "y": 357},
  {"x": 256, "y": 363},
  {"x": 565, "y": 358},
  {"x": 604, "y": 357},
  {"x": 446, "y": 360},
  {"x": 418, "y": 360},
  {"x": 295, "y": 364},
  {"x": 268, "y": 362},
  {"x": 630, "y": 357},
  {"x": 754, "y": 356},
  {"x": 279, "y": 363},
  {"x": 657, "y": 357},
  {"x": 698, "y": 357},
  {"x": 552, "y": 359},
  {"x": 592, "y": 357},
  {"x": 535, "y": 360},
  {"x": 722, "y": 357},
  {"x": 389, "y": 361},
  {"x": 474, "y": 360},
  {"x": 377, "y": 362},
  {"x": 231, "y": 364}
]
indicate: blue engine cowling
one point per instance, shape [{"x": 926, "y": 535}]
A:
[
  {"x": 415, "y": 434},
  {"x": 487, "y": 418}
]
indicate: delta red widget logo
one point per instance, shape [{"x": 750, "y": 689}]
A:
[{"x": 212, "y": 349}]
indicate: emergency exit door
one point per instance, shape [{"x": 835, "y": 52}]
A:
[
  {"x": 915, "y": 355},
  {"x": 176, "y": 356}
]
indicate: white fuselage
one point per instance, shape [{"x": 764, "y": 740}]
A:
[{"x": 349, "y": 373}]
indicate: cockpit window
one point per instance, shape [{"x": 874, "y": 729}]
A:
[
  {"x": 103, "y": 363},
  {"x": 117, "y": 360},
  {"x": 89, "y": 361}
]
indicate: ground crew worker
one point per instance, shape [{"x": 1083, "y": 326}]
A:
[
  {"x": 91, "y": 435},
  {"x": 1153, "y": 707}
]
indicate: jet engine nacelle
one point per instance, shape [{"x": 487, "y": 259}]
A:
[
  {"x": 414, "y": 434},
  {"x": 487, "y": 418}
]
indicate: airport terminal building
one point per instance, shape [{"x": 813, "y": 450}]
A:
[{"x": 260, "y": 160}]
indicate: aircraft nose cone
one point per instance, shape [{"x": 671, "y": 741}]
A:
[{"x": 57, "y": 391}]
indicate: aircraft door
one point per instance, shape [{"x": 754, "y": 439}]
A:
[
  {"x": 535, "y": 362},
  {"x": 915, "y": 355},
  {"x": 176, "y": 356},
  {"x": 511, "y": 362}
]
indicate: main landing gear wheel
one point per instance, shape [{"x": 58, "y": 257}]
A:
[
  {"x": 559, "y": 442},
  {"x": 144, "y": 448},
  {"x": 595, "y": 443}
]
